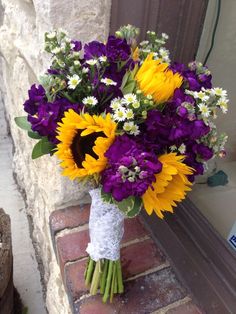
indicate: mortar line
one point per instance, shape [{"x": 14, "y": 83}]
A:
[{"x": 172, "y": 305}]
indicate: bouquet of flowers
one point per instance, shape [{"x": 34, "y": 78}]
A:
[{"x": 135, "y": 125}]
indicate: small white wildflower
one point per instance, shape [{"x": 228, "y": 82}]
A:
[
  {"x": 219, "y": 92},
  {"x": 130, "y": 98},
  {"x": 85, "y": 70},
  {"x": 204, "y": 110},
  {"x": 61, "y": 30},
  {"x": 129, "y": 114},
  {"x": 128, "y": 126},
  {"x": 202, "y": 96},
  {"x": 136, "y": 105},
  {"x": 173, "y": 148},
  {"x": 56, "y": 50},
  {"x": 134, "y": 130},
  {"x": 72, "y": 45},
  {"x": 115, "y": 103},
  {"x": 164, "y": 53},
  {"x": 63, "y": 46},
  {"x": 108, "y": 81},
  {"x": 182, "y": 149},
  {"x": 90, "y": 100},
  {"x": 102, "y": 59},
  {"x": 146, "y": 50},
  {"x": 144, "y": 42},
  {"x": 77, "y": 62},
  {"x": 91, "y": 61},
  {"x": 223, "y": 105},
  {"x": 120, "y": 115},
  {"x": 51, "y": 35},
  {"x": 164, "y": 35},
  {"x": 73, "y": 81}
]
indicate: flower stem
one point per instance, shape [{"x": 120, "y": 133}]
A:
[
  {"x": 113, "y": 281},
  {"x": 108, "y": 282},
  {"x": 104, "y": 276},
  {"x": 119, "y": 277},
  {"x": 96, "y": 278},
  {"x": 89, "y": 272}
]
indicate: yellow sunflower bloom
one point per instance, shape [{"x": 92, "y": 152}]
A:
[
  {"x": 170, "y": 186},
  {"x": 156, "y": 79},
  {"x": 83, "y": 141}
]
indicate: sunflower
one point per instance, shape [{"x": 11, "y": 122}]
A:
[
  {"x": 156, "y": 79},
  {"x": 84, "y": 139},
  {"x": 170, "y": 186}
]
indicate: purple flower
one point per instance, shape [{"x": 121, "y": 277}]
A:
[
  {"x": 203, "y": 151},
  {"x": 45, "y": 120},
  {"x": 36, "y": 96},
  {"x": 131, "y": 169},
  {"x": 94, "y": 50},
  {"x": 117, "y": 49},
  {"x": 77, "y": 45}
]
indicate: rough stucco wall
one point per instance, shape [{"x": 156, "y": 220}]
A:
[
  {"x": 222, "y": 62},
  {"x": 22, "y": 27}
]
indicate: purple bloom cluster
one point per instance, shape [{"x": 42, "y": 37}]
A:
[
  {"x": 44, "y": 115},
  {"x": 131, "y": 169},
  {"x": 194, "y": 80}
]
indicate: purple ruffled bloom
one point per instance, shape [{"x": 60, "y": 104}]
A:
[
  {"x": 77, "y": 45},
  {"x": 44, "y": 120},
  {"x": 117, "y": 49},
  {"x": 94, "y": 50},
  {"x": 131, "y": 170},
  {"x": 36, "y": 96}
]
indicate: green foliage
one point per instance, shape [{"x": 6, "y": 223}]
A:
[
  {"x": 34, "y": 135},
  {"x": 128, "y": 83},
  {"x": 23, "y": 123},
  {"x": 43, "y": 147}
]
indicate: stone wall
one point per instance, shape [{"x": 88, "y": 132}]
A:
[{"x": 22, "y": 27}]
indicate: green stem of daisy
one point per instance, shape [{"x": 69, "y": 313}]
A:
[
  {"x": 89, "y": 272},
  {"x": 96, "y": 278},
  {"x": 108, "y": 282},
  {"x": 113, "y": 281},
  {"x": 119, "y": 277},
  {"x": 104, "y": 276}
]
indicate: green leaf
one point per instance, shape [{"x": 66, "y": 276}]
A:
[
  {"x": 125, "y": 79},
  {"x": 43, "y": 147},
  {"x": 34, "y": 135},
  {"x": 129, "y": 87},
  {"x": 130, "y": 206},
  {"x": 23, "y": 123},
  {"x": 135, "y": 70},
  {"x": 107, "y": 197}
]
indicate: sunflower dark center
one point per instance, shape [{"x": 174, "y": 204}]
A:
[{"x": 83, "y": 145}]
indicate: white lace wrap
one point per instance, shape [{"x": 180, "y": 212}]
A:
[{"x": 106, "y": 228}]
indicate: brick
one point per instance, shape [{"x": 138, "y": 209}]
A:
[
  {"x": 74, "y": 279},
  {"x": 140, "y": 257},
  {"x": 133, "y": 229},
  {"x": 71, "y": 247},
  {"x": 69, "y": 217},
  {"x": 143, "y": 295},
  {"x": 186, "y": 308}
]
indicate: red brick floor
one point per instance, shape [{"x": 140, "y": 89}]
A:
[{"x": 151, "y": 285}]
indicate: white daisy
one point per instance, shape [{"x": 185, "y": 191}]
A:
[
  {"x": 51, "y": 35},
  {"x": 91, "y": 61},
  {"x": 102, "y": 59},
  {"x": 56, "y": 50},
  {"x": 119, "y": 114},
  {"x": 223, "y": 105},
  {"x": 130, "y": 98},
  {"x": 164, "y": 35},
  {"x": 129, "y": 114},
  {"x": 115, "y": 103},
  {"x": 134, "y": 130},
  {"x": 77, "y": 62},
  {"x": 108, "y": 81},
  {"x": 90, "y": 100},
  {"x": 128, "y": 126},
  {"x": 205, "y": 111},
  {"x": 73, "y": 81},
  {"x": 85, "y": 70},
  {"x": 173, "y": 148},
  {"x": 201, "y": 95},
  {"x": 182, "y": 149},
  {"x": 136, "y": 105},
  {"x": 219, "y": 92}
]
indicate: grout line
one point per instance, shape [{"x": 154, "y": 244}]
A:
[
  {"x": 76, "y": 260},
  {"x": 70, "y": 231},
  {"x": 172, "y": 305},
  {"x": 137, "y": 240},
  {"x": 84, "y": 296},
  {"x": 150, "y": 271}
]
